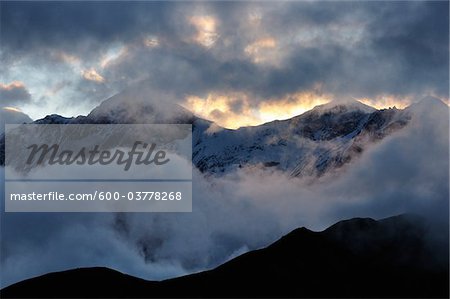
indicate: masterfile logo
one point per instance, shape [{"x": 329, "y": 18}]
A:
[{"x": 43, "y": 152}]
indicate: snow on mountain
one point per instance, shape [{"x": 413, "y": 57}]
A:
[
  {"x": 134, "y": 105},
  {"x": 12, "y": 116},
  {"x": 310, "y": 144},
  {"x": 344, "y": 104},
  {"x": 9, "y": 116},
  {"x": 318, "y": 141},
  {"x": 428, "y": 107}
]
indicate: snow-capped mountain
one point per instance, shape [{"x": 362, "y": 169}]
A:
[
  {"x": 318, "y": 141},
  {"x": 310, "y": 144},
  {"x": 9, "y": 116},
  {"x": 12, "y": 116}
]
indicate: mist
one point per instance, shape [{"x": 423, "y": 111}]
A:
[{"x": 406, "y": 172}]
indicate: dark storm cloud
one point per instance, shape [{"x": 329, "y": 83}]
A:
[
  {"x": 350, "y": 48},
  {"x": 417, "y": 50},
  {"x": 403, "y": 49},
  {"x": 75, "y": 26},
  {"x": 13, "y": 94}
]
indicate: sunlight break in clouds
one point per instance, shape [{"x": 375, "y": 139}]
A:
[
  {"x": 234, "y": 110},
  {"x": 12, "y": 109},
  {"x": 267, "y": 49},
  {"x": 67, "y": 58},
  {"x": 291, "y": 105},
  {"x": 400, "y": 102},
  {"x": 112, "y": 55},
  {"x": 206, "y": 27},
  {"x": 151, "y": 42},
  {"x": 387, "y": 101},
  {"x": 92, "y": 75},
  {"x": 231, "y": 110},
  {"x": 12, "y": 85},
  {"x": 261, "y": 50}
]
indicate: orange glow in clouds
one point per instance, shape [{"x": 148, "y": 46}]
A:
[
  {"x": 206, "y": 27},
  {"x": 261, "y": 49},
  {"x": 12, "y": 85},
  {"x": 230, "y": 110},
  {"x": 11, "y": 109},
  {"x": 234, "y": 110},
  {"x": 387, "y": 101},
  {"x": 291, "y": 105},
  {"x": 67, "y": 58},
  {"x": 92, "y": 75},
  {"x": 151, "y": 42},
  {"x": 112, "y": 55}
]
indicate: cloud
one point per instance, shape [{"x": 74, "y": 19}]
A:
[
  {"x": 92, "y": 75},
  {"x": 14, "y": 93},
  {"x": 228, "y": 110},
  {"x": 205, "y": 26},
  {"x": 261, "y": 50},
  {"x": 234, "y": 110},
  {"x": 395, "y": 50},
  {"x": 151, "y": 42},
  {"x": 405, "y": 172},
  {"x": 270, "y": 50}
]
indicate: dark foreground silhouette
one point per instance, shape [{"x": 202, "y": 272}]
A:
[{"x": 400, "y": 256}]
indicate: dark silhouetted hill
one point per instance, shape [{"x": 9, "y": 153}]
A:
[{"x": 396, "y": 257}]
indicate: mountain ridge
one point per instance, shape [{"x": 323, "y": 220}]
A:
[
  {"x": 319, "y": 141},
  {"x": 303, "y": 263}
]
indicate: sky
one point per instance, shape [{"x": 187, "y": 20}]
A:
[{"x": 236, "y": 63}]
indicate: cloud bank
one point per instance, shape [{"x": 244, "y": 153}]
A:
[
  {"x": 14, "y": 93},
  {"x": 405, "y": 172},
  {"x": 82, "y": 53}
]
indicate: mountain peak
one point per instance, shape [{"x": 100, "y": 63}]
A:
[
  {"x": 429, "y": 107},
  {"x": 140, "y": 104},
  {"x": 344, "y": 104},
  {"x": 429, "y": 102},
  {"x": 10, "y": 115}
]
